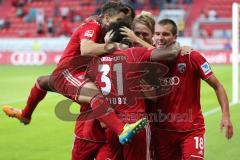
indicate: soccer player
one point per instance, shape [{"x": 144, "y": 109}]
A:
[
  {"x": 179, "y": 132},
  {"x": 117, "y": 87},
  {"x": 70, "y": 81}
]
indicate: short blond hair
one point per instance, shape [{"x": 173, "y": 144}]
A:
[{"x": 145, "y": 18}]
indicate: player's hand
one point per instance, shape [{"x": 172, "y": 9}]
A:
[
  {"x": 173, "y": 49},
  {"x": 226, "y": 125},
  {"x": 174, "y": 46},
  {"x": 108, "y": 36},
  {"x": 186, "y": 50},
  {"x": 130, "y": 35},
  {"x": 121, "y": 46}
]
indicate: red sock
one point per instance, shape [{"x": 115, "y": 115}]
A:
[
  {"x": 36, "y": 95},
  {"x": 110, "y": 118}
]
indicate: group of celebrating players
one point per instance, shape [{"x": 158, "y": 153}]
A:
[{"x": 139, "y": 91}]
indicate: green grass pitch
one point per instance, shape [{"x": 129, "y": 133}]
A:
[{"x": 49, "y": 138}]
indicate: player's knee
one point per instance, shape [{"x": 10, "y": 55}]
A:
[{"x": 43, "y": 82}]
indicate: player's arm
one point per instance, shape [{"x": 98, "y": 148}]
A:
[
  {"x": 144, "y": 43},
  {"x": 169, "y": 53},
  {"x": 89, "y": 38},
  {"x": 204, "y": 70},
  {"x": 223, "y": 101},
  {"x": 91, "y": 48}
]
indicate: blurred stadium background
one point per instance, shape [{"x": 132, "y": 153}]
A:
[{"x": 33, "y": 34}]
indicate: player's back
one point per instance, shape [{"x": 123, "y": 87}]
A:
[{"x": 115, "y": 78}]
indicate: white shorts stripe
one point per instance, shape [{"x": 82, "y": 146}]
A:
[
  {"x": 73, "y": 78},
  {"x": 70, "y": 78},
  {"x": 73, "y": 81}
]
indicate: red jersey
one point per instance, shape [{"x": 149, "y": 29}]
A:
[
  {"x": 180, "y": 110},
  {"x": 90, "y": 30},
  {"x": 115, "y": 82}
]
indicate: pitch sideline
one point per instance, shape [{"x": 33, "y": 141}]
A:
[{"x": 217, "y": 109}]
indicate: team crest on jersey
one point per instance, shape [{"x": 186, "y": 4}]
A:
[
  {"x": 89, "y": 33},
  {"x": 182, "y": 67},
  {"x": 206, "y": 68}
]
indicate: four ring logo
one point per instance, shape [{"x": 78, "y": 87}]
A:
[
  {"x": 28, "y": 58},
  {"x": 170, "y": 81}
]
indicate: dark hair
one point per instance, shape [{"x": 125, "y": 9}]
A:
[
  {"x": 169, "y": 22},
  {"x": 131, "y": 12},
  {"x": 117, "y": 36},
  {"x": 113, "y": 8}
]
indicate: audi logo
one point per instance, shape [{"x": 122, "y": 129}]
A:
[
  {"x": 170, "y": 81},
  {"x": 28, "y": 58}
]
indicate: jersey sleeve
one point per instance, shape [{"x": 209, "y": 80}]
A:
[
  {"x": 200, "y": 65},
  {"x": 90, "y": 31}
]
